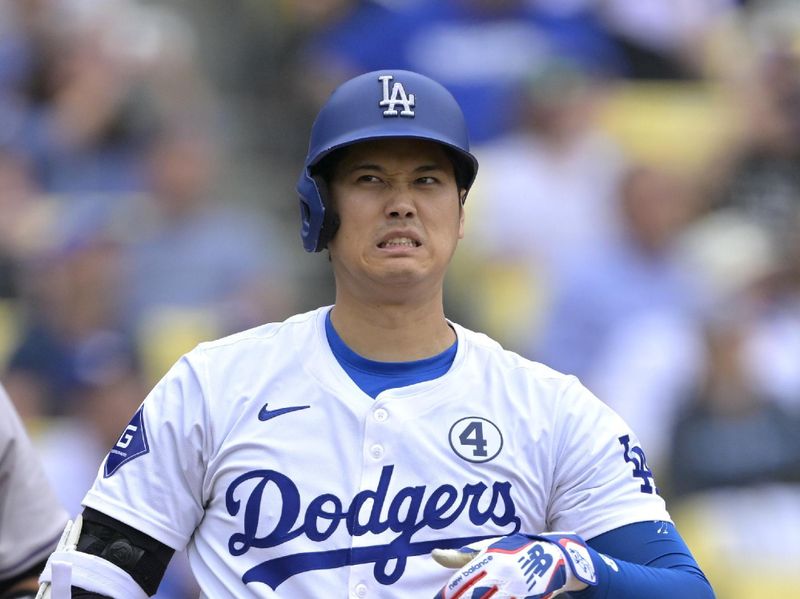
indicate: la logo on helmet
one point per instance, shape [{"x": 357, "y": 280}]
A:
[{"x": 398, "y": 96}]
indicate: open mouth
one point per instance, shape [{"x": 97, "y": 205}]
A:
[{"x": 399, "y": 242}]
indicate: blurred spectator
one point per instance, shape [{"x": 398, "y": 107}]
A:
[
  {"x": 763, "y": 171},
  {"x": 194, "y": 253},
  {"x": 69, "y": 291},
  {"x": 23, "y": 47},
  {"x": 731, "y": 435},
  {"x": 268, "y": 107},
  {"x": 636, "y": 270},
  {"x": 67, "y": 132},
  {"x": 774, "y": 346},
  {"x": 734, "y": 429},
  {"x": 662, "y": 39},
  {"x": 557, "y": 173},
  {"x": 623, "y": 316},
  {"x": 73, "y": 447},
  {"x": 546, "y": 192},
  {"x": 83, "y": 125},
  {"x": 481, "y": 50},
  {"x": 736, "y": 446},
  {"x": 99, "y": 77},
  {"x": 13, "y": 52},
  {"x": 17, "y": 199},
  {"x": 742, "y": 260}
]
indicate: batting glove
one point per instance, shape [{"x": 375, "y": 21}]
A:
[{"x": 518, "y": 566}]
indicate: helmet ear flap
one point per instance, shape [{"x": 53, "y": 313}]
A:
[
  {"x": 330, "y": 218},
  {"x": 312, "y": 212}
]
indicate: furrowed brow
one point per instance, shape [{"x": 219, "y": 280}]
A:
[
  {"x": 369, "y": 166},
  {"x": 426, "y": 168},
  {"x": 365, "y": 166}
]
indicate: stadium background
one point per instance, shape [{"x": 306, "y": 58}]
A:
[{"x": 636, "y": 219}]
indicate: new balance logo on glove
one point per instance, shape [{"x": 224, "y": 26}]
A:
[{"x": 533, "y": 567}]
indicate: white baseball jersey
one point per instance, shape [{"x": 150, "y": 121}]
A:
[
  {"x": 286, "y": 480},
  {"x": 31, "y": 519}
]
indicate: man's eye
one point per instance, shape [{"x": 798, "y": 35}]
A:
[
  {"x": 368, "y": 179},
  {"x": 427, "y": 180}
]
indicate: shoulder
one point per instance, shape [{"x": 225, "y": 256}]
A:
[
  {"x": 213, "y": 366},
  {"x": 265, "y": 336},
  {"x": 482, "y": 347},
  {"x": 534, "y": 389},
  {"x": 488, "y": 360}
]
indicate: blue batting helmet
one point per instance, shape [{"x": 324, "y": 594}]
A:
[{"x": 380, "y": 104}]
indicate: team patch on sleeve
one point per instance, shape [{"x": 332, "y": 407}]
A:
[
  {"x": 132, "y": 444},
  {"x": 634, "y": 455}
]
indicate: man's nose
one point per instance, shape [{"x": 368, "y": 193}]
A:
[{"x": 401, "y": 204}]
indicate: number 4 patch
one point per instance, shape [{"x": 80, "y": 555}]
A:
[
  {"x": 476, "y": 439},
  {"x": 635, "y": 455}
]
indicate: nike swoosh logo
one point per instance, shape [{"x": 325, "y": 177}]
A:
[{"x": 265, "y": 413}]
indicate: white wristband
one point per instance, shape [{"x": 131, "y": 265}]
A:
[{"x": 91, "y": 573}]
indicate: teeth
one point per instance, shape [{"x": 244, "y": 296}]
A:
[{"x": 399, "y": 241}]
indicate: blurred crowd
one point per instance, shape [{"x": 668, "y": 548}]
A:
[{"x": 636, "y": 219}]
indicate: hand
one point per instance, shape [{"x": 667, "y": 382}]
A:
[{"x": 523, "y": 566}]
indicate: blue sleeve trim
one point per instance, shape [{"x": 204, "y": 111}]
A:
[{"x": 646, "y": 557}]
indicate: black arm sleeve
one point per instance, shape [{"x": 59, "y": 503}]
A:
[{"x": 140, "y": 555}]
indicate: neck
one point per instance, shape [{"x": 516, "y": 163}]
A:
[{"x": 392, "y": 333}]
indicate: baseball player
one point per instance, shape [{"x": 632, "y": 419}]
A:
[
  {"x": 374, "y": 448},
  {"x": 31, "y": 518}
]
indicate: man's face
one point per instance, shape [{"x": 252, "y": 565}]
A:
[{"x": 400, "y": 212}]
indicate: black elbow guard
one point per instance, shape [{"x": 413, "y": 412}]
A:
[{"x": 140, "y": 555}]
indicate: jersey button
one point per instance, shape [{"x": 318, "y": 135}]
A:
[
  {"x": 376, "y": 451},
  {"x": 361, "y": 590},
  {"x": 381, "y": 415}
]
